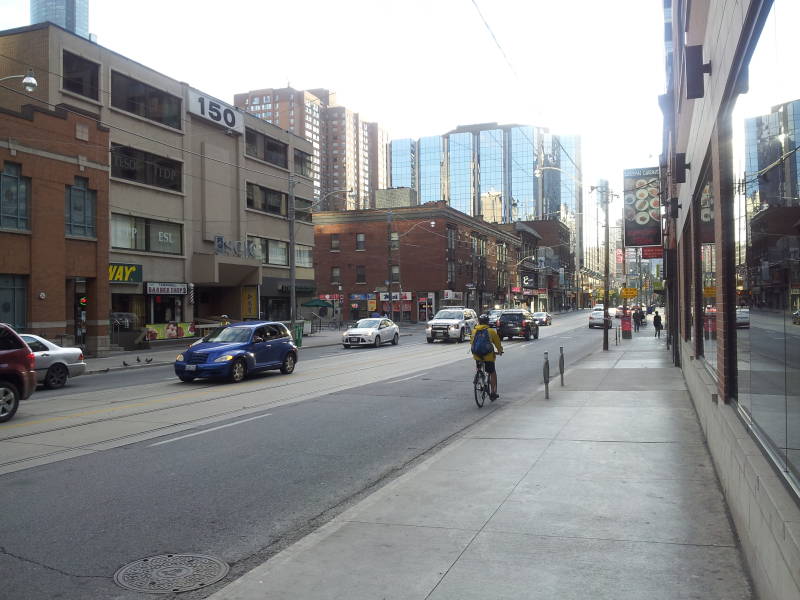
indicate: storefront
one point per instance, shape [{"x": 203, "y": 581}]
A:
[
  {"x": 275, "y": 294},
  {"x": 400, "y": 306},
  {"x": 165, "y": 305}
]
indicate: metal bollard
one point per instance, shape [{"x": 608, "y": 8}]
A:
[
  {"x": 561, "y": 364},
  {"x": 546, "y": 376}
]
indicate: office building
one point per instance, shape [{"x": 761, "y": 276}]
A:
[
  {"x": 350, "y": 154},
  {"x": 72, "y": 15}
]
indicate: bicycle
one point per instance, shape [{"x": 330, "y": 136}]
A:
[{"x": 480, "y": 384}]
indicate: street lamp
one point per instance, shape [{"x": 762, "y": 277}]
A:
[
  {"x": 292, "y": 243},
  {"x": 29, "y": 83}
]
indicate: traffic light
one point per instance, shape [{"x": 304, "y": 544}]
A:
[{"x": 83, "y": 301}]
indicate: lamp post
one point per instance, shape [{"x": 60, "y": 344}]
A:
[
  {"x": 29, "y": 82},
  {"x": 292, "y": 244}
]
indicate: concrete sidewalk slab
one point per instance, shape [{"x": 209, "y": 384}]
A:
[{"x": 606, "y": 491}]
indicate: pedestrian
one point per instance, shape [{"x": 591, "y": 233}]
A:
[
  {"x": 637, "y": 319},
  {"x": 657, "y": 324}
]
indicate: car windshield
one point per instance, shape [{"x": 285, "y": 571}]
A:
[
  {"x": 229, "y": 334},
  {"x": 539, "y": 314},
  {"x": 448, "y": 314},
  {"x": 597, "y": 313},
  {"x": 368, "y": 323}
]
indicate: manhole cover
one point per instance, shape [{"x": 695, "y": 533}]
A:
[{"x": 170, "y": 573}]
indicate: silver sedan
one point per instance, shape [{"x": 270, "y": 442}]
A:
[
  {"x": 54, "y": 364},
  {"x": 371, "y": 332}
]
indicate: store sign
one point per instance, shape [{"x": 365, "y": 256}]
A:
[
  {"x": 528, "y": 280},
  {"x": 710, "y": 291},
  {"x": 250, "y": 301},
  {"x": 330, "y": 296},
  {"x": 124, "y": 273},
  {"x": 215, "y": 111},
  {"x": 516, "y": 290},
  {"x": 619, "y": 255},
  {"x": 653, "y": 252},
  {"x": 451, "y": 295},
  {"x": 384, "y": 296},
  {"x": 168, "y": 289},
  {"x": 237, "y": 248},
  {"x": 540, "y": 292},
  {"x": 642, "y": 207}
]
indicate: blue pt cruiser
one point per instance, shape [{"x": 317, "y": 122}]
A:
[{"x": 233, "y": 351}]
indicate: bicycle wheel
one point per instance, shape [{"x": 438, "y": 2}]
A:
[{"x": 479, "y": 385}]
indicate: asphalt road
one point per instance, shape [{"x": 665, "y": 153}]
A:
[{"x": 244, "y": 488}]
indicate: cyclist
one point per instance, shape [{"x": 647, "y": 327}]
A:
[{"x": 488, "y": 359}]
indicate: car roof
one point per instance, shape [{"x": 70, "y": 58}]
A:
[{"x": 254, "y": 323}]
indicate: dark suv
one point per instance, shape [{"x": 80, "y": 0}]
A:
[
  {"x": 17, "y": 374},
  {"x": 518, "y": 323}
]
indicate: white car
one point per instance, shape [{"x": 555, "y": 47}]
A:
[
  {"x": 596, "y": 319},
  {"x": 451, "y": 323},
  {"x": 371, "y": 332},
  {"x": 743, "y": 317},
  {"x": 54, "y": 364}
]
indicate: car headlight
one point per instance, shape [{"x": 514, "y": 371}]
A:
[
  {"x": 224, "y": 358},
  {"x": 453, "y": 326},
  {"x": 179, "y": 358}
]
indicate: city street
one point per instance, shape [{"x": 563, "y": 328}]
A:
[{"x": 128, "y": 464}]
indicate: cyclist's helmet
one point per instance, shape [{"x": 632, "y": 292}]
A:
[{"x": 483, "y": 319}]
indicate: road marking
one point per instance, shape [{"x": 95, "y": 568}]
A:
[
  {"x": 406, "y": 378},
  {"x": 188, "y": 435}
]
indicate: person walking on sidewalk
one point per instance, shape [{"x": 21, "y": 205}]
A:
[
  {"x": 657, "y": 324},
  {"x": 637, "y": 319}
]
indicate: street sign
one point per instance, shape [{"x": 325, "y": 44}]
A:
[
  {"x": 710, "y": 291},
  {"x": 628, "y": 292}
]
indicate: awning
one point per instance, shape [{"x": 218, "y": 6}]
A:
[{"x": 317, "y": 302}]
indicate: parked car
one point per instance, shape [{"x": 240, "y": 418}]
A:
[
  {"x": 493, "y": 315},
  {"x": 54, "y": 364},
  {"x": 17, "y": 375},
  {"x": 743, "y": 317},
  {"x": 371, "y": 332},
  {"x": 596, "y": 319},
  {"x": 519, "y": 323},
  {"x": 234, "y": 351},
  {"x": 451, "y": 323},
  {"x": 543, "y": 318},
  {"x": 598, "y": 307},
  {"x": 796, "y": 317}
]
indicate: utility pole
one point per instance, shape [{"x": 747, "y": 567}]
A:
[
  {"x": 389, "y": 261},
  {"x": 605, "y": 196},
  {"x": 292, "y": 266}
]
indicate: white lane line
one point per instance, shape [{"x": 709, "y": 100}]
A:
[
  {"x": 188, "y": 435},
  {"x": 406, "y": 378}
]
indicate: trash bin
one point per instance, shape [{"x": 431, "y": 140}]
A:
[{"x": 298, "y": 334}]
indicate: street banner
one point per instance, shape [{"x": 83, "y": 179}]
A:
[{"x": 642, "y": 207}]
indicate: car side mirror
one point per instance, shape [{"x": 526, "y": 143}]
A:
[{"x": 257, "y": 339}]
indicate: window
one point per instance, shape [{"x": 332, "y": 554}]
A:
[
  {"x": 302, "y": 209},
  {"x": 361, "y": 274},
  {"x": 360, "y": 241},
  {"x": 335, "y": 275},
  {"x": 146, "y": 101},
  {"x": 303, "y": 164},
  {"x": 395, "y": 273},
  {"x": 451, "y": 272},
  {"x": 394, "y": 240},
  {"x": 303, "y": 256},
  {"x": 13, "y": 307},
  {"x": 80, "y": 76},
  {"x": 334, "y": 242},
  {"x": 265, "y": 148},
  {"x": 277, "y": 252},
  {"x": 15, "y": 191},
  {"x": 266, "y": 200},
  {"x": 143, "y": 167},
  {"x": 80, "y": 205},
  {"x": 147, "y": 235},
  {"x": 451, "y": 238}
]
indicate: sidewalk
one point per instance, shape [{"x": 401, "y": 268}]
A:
[
  {"x": 605, "y": 491},
  {"x": 114, "y": 361}
]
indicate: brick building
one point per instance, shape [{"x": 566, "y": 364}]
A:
[
  {"x": 415, "y": 253},
  {"x": 54, "y": 225}
]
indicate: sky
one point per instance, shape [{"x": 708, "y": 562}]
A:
[{"x": 420, "y": 67}]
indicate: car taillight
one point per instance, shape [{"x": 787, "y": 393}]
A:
[
  {"x": 80, "y": 356},
  {"x": 31, "y": 359},
  {"x": 524, "y": 322}
]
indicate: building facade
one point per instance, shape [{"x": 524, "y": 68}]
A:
[
  {"x": 732, "y": 256},
  {"x": 423, "y": 257},
  {"x": 198, "y": 192},
  {"x": 72, "y": 15},
  {"x": 351, "y": 155},
  {"x": 54, "y": 225}
]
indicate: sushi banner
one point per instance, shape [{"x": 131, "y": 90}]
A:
[{"x": 642, "y": 207}]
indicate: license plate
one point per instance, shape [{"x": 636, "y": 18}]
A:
[
  {"x": 438, "y": 334},
  {"x": 191, "y": 367},
  {"x": 354, "y": 340}
]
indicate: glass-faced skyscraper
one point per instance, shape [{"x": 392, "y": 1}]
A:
[
  {"x": 72, "y": 15},
  {"x": 431, "y": 168},
  {"x": 404, "y": 163}
]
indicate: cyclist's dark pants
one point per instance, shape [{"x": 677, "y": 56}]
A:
[{"x": 487, "y": 365}]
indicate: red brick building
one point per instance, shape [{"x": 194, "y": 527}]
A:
[
  {"x": 54, "y": 225},
  {"x": 425, "y": 256}
]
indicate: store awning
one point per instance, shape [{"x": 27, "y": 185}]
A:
[{"x": 317, "y": 302}]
